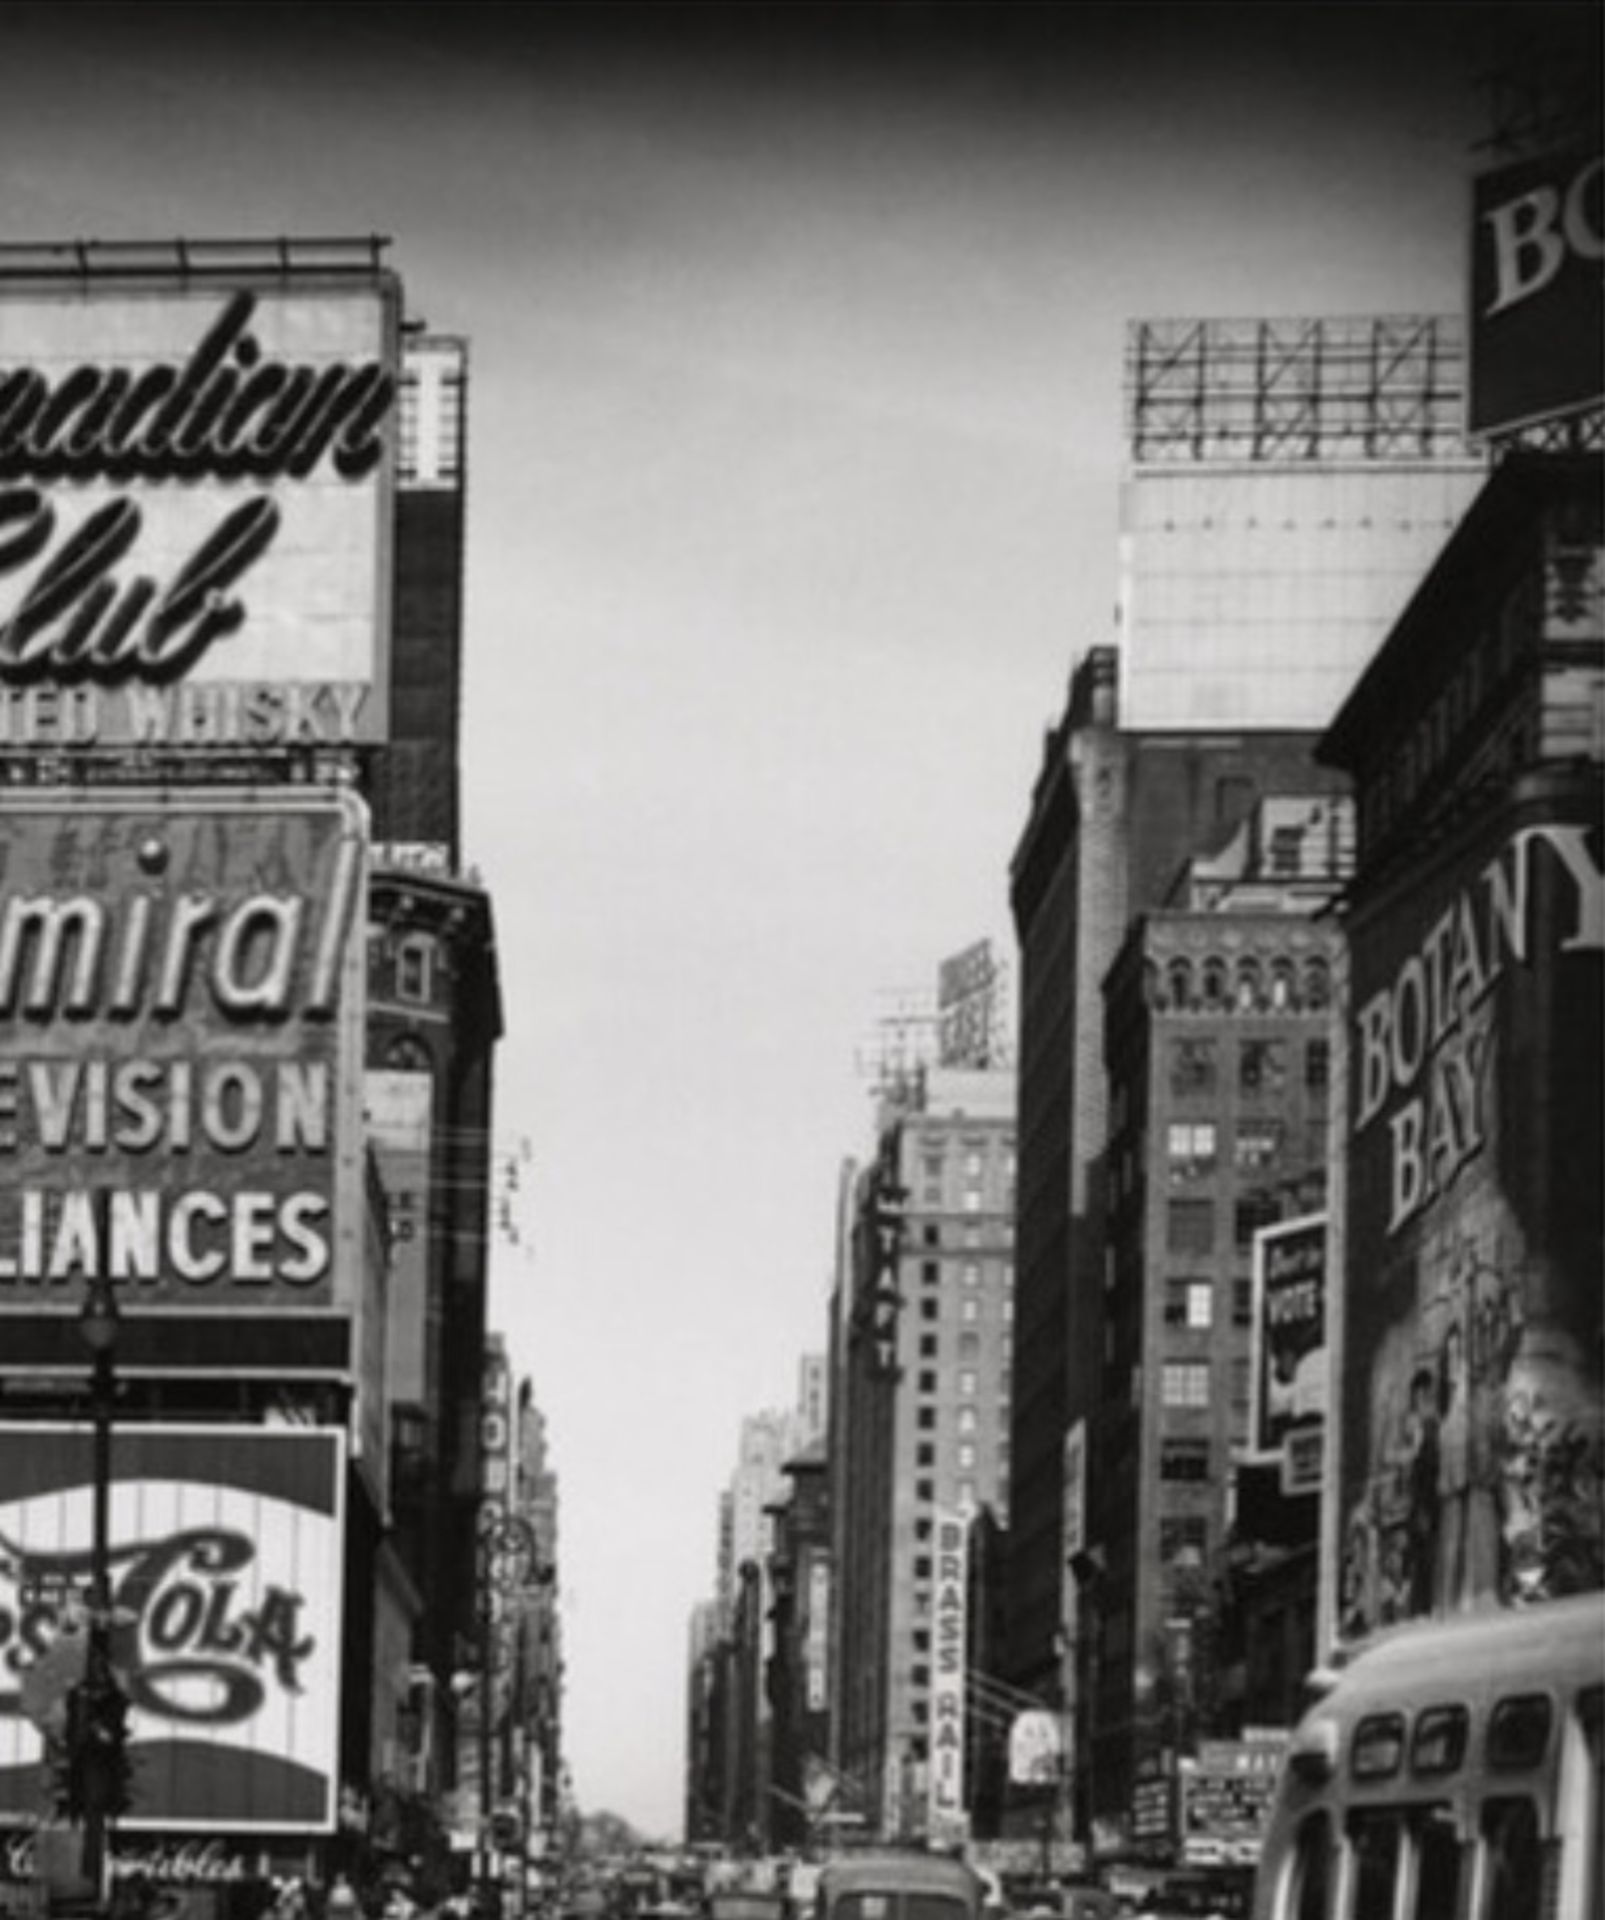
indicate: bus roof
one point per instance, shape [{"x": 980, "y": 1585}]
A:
[
  {"x": 918, "y": 1872},
  {"x": 1504, "y": 1646}
]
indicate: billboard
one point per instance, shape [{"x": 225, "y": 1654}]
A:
[
  {"x": 1469, "y": 1428},
  {"x": 1537, "y": 312},
  {"x": 180, "y": 1046},
  {"x": 1290, "y": 1348},
  {"x": 226, "y": 1570},
  {"x": 195, "y": 509},
  {"x": 945, "y": 1816}
]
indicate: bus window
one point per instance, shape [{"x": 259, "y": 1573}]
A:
[
  {"x": 1437, "y": 1868},
  {"x": 1439, "y": 1742},
  {"x": 1377, "y": 1854},
  {"x": 1378, "y": 1746},
  {"x": 1518, "y": 1730},
  {"x": 1312, "y": 1870},
  {"x": 1515, "y": 1876}
]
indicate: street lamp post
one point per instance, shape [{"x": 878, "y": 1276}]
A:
[{"x": 99, "y": 1718}]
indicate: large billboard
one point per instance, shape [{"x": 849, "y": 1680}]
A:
[
  {"x": 196, "y": 489},
  {"x": 1537, "y": 295},
  {"x": 1470, "y": 1452},
  {"x": 180, "y": 1046},
  {"x": 224, "y": 1551}
]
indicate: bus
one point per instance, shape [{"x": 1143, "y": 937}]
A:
[
  {"x": 899, "y": 1886},
  {"x": 1449, "y": 1771}
]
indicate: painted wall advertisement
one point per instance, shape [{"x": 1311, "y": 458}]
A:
[
  {"x": 195, "y": 514},
  {"x": 1290, "y": 1349},
  {"x": 1471, "y": 1456},
  {"x": 180, "y": 1046},
  {"x": 945, "y": 1807},
  {"x": 225, "y": 1562}
]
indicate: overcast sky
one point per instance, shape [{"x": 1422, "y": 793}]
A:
[{"x": 795, "y": 343}]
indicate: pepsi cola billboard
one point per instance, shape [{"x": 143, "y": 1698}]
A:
[{"x": 225, "y": 1561}]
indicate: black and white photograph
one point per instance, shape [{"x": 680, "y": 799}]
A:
[{"x": 802, "y": 960}]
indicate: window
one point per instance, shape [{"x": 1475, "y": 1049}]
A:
[
  {"x": 1438, "y": 1744},
  {"x": 414, "y": 969},
  {"x": 925, "y": 1454},
  {"x": 1378, "y": 1751},
  {"x": 1253, "y": 1211},
  {"x": 931, "y": 1273},
  {"x": 925, "y": 1491},
  {"x": 972, "y": 1273},
  {"x": 1515, "y": 1863},
  {"x": 1181, "y": 1459},
  {"x": 926, "y": 1417},
  {"x": 1242, "y": 1303},
  {"x": 1257, "y": 1145},
  {"x": 1377, "y": 1849},
  {"x": 1190, "y": 1226},
  {"x": 1185, "y": 1383},
  {"x": 922, "y": 1639},
  {"x": 1189, "y": 1302},
  {"x": 920, "y": 1674},
  {"x": 970, "y": 1310},
  {"x": 967, "y": 1419},
  {"x": 1518, "y": 1731},
  {"x": 967, "y": 1456},
  {"x": 967, "y": 1383},
  {"x": 969, "y": 1346},
  {"x": 1190, "y": 1151},
  {"x": 1317, "y": 1065},
  {"x": 927, "y": 1346},
  {"x": 1312, "y": 1866},
  {"x": 1192, "y": 1066},
  {"x": 922, "y": 1566},
  {"x": 927, "y": 1381},
  {"x": 929, "y": 1309},
  {"x": 972, "y": 1199},
  {"x": 1437, "y": 1867},
  {"x": 1262, "y": 1066},
  {"x": 932, "y": 1235}
]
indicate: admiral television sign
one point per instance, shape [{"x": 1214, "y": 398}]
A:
[
  {"x": 180, "y": 1046},
  {"x": 195, "y": 505}
]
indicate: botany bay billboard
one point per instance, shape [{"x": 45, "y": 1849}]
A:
[
  {"x": 180, "y": 1047},
  {"x": 195, "y": 511},
  {"x": 226, "y": 1570},
  {"x": 1470, "y": 1453}
]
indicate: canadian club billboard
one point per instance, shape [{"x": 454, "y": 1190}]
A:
[
  {"x": 1470, "y": 1455},
  {"x": 195, "y": 512},
  {"x": 224, "y": 1550},
  {"x": 180, "y": 1040}
]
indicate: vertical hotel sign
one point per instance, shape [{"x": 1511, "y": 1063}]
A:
[
  {"x": 225, "y": 1563},
  {"x": 945, "y": 1806},
  {"x": 195, "y": 489},
  {"x": 180, "y": 1036}
]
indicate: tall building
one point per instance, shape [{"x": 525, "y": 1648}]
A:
[
  {"x": 302, "y": 1362},
  {"x": 923, "y": 1312},
  {"x": 1471, "y": 1429},
  {"x": 1285, "y": 482},
  {"x": 1218, "y": 1045}
]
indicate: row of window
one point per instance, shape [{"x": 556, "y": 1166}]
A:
[
  {"x": 1190, "y": 1302},
  {"x": 969, "y": 1309},
  {"x": 1264, "y": 1067},
  {"x": 1216, "y": 985},
  {"x": 969, "y": 1236},
  {"x": 1190, "y": 1225},
  {"x": 1186, "y": 1383},
  {"x": 969, "y": 1273}
]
